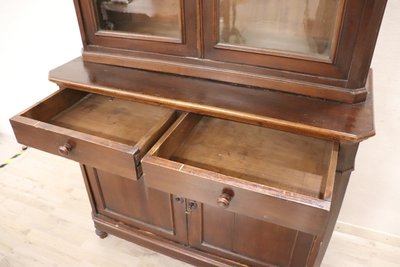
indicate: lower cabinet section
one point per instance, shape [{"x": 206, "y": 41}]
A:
[
  {"x": 232, "y": 239},
  {"x": 206, "y": 190}
]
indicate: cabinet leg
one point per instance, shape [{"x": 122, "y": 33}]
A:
[{"x": 101, "y": 234}]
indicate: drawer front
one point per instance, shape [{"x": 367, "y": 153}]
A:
[
  {"x": 82, "y": 147},
  {"x": 278, "y": 177},
  {"x": 58, "y": 125},
  {"x": 212, "y": 189}
]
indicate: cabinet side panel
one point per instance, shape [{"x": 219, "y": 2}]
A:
[{"x": 345, "y": 166}]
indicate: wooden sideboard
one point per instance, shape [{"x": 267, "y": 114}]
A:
[{"x": 202, "y": 140}]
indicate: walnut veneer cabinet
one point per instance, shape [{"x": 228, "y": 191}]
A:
[{"x": 221, "y": 133}]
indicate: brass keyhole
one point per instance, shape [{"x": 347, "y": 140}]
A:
[
  {"x": 191, "y": 205},
  {"x": 180, "y": 200}
]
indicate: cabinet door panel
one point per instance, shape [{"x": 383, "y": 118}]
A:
[
  {"x": 156, "y": 18},
  {"x": 161, "y": 26},
  {"x": 247, "y": 240},
  {"x": 300, "y": 36},
  {"x": 132, "y": 203},
  {"x": 308, "y": 28}
]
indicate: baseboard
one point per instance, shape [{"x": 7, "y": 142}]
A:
[{"x": 367, "y": 233}]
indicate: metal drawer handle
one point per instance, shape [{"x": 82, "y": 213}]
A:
[
  {"x": 224, "y": 200},
  {"x": 65, "y": 149}
]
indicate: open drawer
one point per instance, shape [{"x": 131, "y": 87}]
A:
[
  {"x": 107, "y": 133},
  {"x": 266, "y": 174}
]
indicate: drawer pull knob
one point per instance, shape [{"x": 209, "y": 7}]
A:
[
  {"x": 65, "y": 149},
  {"x": 224, "y": 200}
]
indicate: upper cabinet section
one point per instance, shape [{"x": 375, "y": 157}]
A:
[
  {"x": 161, "y": 26},
  {"x": 318, "y": 48}
]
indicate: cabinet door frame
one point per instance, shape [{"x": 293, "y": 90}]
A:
[
  {"x": 353, "y": 15},
  {"x": 300, "y": 248},
  {"x": 92, "y": 35},
  {"x": 178, "y": 233}
]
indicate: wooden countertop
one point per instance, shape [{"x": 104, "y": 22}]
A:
[{"x": 346, "y": 123}]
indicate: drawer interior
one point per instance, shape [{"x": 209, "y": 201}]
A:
[
  {"x": 101, "y": 116},
  {"x": 264, "y": 156}
]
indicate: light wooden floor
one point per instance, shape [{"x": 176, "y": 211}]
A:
[{"x": 45, "y": 221}]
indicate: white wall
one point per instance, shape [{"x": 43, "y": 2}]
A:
[
  {"x": 36, "y": 36},
  {"x": 373, "y": 196}
]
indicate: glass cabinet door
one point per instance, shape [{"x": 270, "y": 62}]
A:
[
  {"x": 303, "y": 27},
  {"x": 273, "y": 33},
  {"x": 153, "y": 18},
  {"x": 165, "y": 26}
]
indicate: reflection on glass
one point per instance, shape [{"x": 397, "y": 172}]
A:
[
  {"x": 146, "y": 17},
  {"x": 305, "y": 27}
]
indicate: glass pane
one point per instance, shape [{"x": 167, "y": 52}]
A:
[
  {"x": 146, "y": 17},
  {"x": 305, "y": 27}
]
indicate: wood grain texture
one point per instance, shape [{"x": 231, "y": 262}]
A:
[
  {"x": 341, "y": 78},
  {"x": 292, "y": 113},
  {"x": 345, "y": 166},
  {"x": 187, "y": 46},
  {"x": 110, "y": 118},
  {"x": 94, "y": 125},
  {"x": 46, "y": 221},
  {"x": 273, "y": 158},
  {"x": 247, "y": 240},
  {"x": 131, "y": 203}
]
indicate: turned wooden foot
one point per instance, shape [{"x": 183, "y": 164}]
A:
[{"x": 101, "y": 234}]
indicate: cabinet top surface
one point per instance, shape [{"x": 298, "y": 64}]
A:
[{"x": 282, "y": 111}]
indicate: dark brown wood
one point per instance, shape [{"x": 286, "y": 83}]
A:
[
  {"x": 173, "y": 249},
  {"x": 77, "y": 120},
  {"x": 242, "y": 162},
  {"x": 247, "y": 240},
  {"x": 321, "y": 87},
  {"x": 346, "y": 158},
  {"x": 366, "y": 40},
  {"x": 342, "y": 78},
  {"x": 202, "y": 68},
  {"x": 207, "y": 186},
  {"x": 185, "y": 47},
  {"x": 312, "y": 117},
  {"x": 131, "y": 203},
  {"x": 274, "y": 159},
  {"x": 195, "y": 170},
  {"x": 101, "y": 234}
]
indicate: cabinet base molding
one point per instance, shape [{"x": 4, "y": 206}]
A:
[{"x": 161, "y": 245}]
